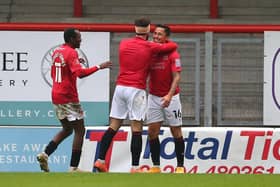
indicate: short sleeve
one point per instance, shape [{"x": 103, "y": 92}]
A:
[{"x": 175, "y": 62}]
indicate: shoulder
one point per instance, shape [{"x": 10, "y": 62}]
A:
[
  {"x": 71, "y": 51},
  {"x": 127, "y": 41},
  {"x": 66, "y": 49},
  {"x": 175, "y": 57}
]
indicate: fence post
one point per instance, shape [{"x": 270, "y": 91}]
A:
[{"x": 208, "y": 79}]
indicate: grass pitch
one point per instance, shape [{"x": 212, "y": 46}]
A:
[{"x": 29, "y": 179}]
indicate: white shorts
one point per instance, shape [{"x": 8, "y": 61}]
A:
[
  {"x": 71, "y": 111},
  {"x": 129, "y": 102},
  {"x": 172, "y": 114}
]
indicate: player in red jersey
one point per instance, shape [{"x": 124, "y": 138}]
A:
[
  {"x": 66, "y": 68},
  {"x": 164, "y": 101},
  {"x": 129, "y": 100}
]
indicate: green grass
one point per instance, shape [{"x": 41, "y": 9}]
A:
[{"x": 136, "y": 180}]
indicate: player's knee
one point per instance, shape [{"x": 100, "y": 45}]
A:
[
  {"x": 176, "y": 132},
  {"x": 68, "y": 131},
  {"x": 153, "y": 133}
]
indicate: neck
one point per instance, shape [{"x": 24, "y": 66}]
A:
[
  {"x": 70, "y": 45},
  {"x": 145, "y": 37}
]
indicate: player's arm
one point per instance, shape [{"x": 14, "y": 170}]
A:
[
  {"x": 163, "y": 47},
  {"x": 76, "y": 67},
  {"x": 175, "y": 82},
  {"x": 84, "y": 72}
]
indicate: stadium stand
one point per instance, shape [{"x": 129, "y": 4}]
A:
[
  {"x": 176, "y": 11},
  {"x": 39, "y": 11},
  {"x": 4, "y": 10},
  {"x": 123, "y": 11},
  {"x": 252, "y": 11}
]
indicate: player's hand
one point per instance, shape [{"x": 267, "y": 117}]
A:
[
  {"x": 107, "y": 64},
  {"x": 165, "y": 101},
  {"x": 82, "y": 61}
]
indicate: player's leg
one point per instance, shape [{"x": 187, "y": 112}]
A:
[
  {"x": 174, "y": 119},
  {"x": 52, "y": 145},
  {"x": 63, "y": 111},
  {"x": 106, "y": 140},
  {"x": 136, "y": 145},
  {"x": 79, "y": 132},
  {"x": 179, "y": 148},
  {"x": 179, "y": 144},
  {"x": 155, "y": 117},
  {"x": 108, "y": 136},
  {"x": 118, "y": 113},
  {"x": 66, "y": 131},
  {"x": 153, "y": 132},
  {"x": 137, "y": 103}
]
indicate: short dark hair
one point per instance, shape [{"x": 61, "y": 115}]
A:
[
  {"x": 142, "y": 22},
  {"x": 69, "y": 33},
  {"x": 166, "y": 29}
]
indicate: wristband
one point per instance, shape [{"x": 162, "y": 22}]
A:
[{"x": 98, "y": 66}]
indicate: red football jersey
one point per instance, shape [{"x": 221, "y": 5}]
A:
[
  {"x": 65, "y": 63},
  {"x": 135, "y": 57},
  {"x": 161, "y": 73}
]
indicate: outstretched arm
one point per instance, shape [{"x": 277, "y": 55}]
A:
[
  {"x": 163, "y": 47},
  {"x": 81, "y": 73}
]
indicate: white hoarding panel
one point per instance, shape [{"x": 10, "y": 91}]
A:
[
  {"x": 207, "y": 150},
  {"x": 25, "y": 83},
  {"x": 271, "y": 89}
]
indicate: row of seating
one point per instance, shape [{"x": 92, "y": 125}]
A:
[{"x": 123, "y": 11}]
